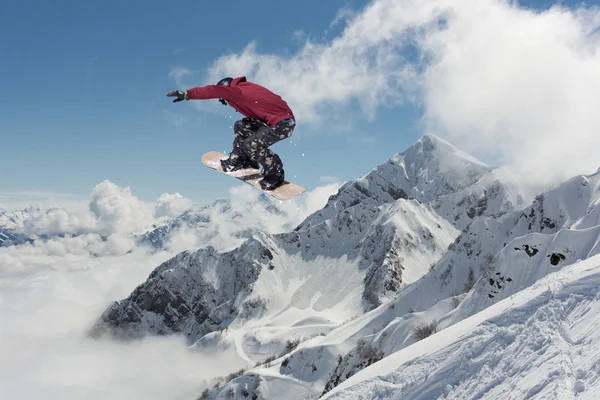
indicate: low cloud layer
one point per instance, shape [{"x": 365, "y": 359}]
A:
[
  {"x": 48, "y": 303},
  {"x": 111, "y": 222},
  {"x": 501, "y": 81},
  {"x": 52, "y": 291}
]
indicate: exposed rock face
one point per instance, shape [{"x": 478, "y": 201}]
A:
[
  {"x": 193, "y": 294},
  {"x": 426, "y": 171},
  {"x": 417, "y": 231},
  {"x": 394, "y": 243},
  {"x": 11, "y": 228},
  {"x": 379, "y": 220},
  {"x": 357, "y": 359},
  {"x": 9, "y": 237}
]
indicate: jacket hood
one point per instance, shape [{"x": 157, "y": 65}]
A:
[{"x": 237, "y": 80}]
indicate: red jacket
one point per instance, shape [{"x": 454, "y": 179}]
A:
[{"x": 249, "y": 99}]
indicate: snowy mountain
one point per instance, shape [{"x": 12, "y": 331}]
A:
[
  {"x": 205, "y": 290},
  {"x": 431, "y": 241},
  {"x": 481, "y": 268},
  {"x": 11, "y": 227},
  {"x": 9, "y": 237},
  {"x": 203, "y": 222},
  {"x": 223, "y": 225},
  {"x": 541, "y": 343},
  {"x": 384, "y": 245}
]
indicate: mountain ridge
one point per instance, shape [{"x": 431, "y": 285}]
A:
[{"x": 343, "y": 290}]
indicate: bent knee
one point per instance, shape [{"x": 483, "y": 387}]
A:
[
  {"x": 250, "y": 147},
  {"x": 238, "y": 127}
]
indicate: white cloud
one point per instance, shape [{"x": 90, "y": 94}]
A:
[
  {"x": 329, "y": 179},
  {"x": 519, "y": 85},
  {"x": 494, "y": 78},
  {"x": 111, "y": 211},
  {"x": 313, "y": 200},
  {"x": 342, "y": 16},
  {"x": 58, "y": 220},
  {"x": 321, "y": 77},
  {"x": 299, "y": 35},
  {"x": 117, "y": 210},
  {"x": 250, "y": 212},
  {"x": 105, "y": 225},
  {"x": 186, "y": 238},
  {"x": 171, "y": 205},
  {"x": 47, "y": 304}
]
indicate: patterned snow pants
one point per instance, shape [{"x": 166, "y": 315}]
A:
[{"x": 253, "y": 139}]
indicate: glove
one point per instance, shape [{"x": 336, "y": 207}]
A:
[{"x": 180, "y": 94}]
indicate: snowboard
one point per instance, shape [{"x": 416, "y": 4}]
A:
[{"x": 252, "y": 176}]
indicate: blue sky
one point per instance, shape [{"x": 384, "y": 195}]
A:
[{"x": 84, "y": 86}]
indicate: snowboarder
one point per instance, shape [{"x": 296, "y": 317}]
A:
[{"x": 268, "y": 120}]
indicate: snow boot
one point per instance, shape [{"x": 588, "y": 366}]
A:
[
  {"x": 236, "y": 163},
  {"x": 272, "y": 179}
]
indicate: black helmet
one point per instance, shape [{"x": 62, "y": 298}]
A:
[{"x": 224, "y": 82}]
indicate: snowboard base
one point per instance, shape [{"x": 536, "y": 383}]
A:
[{"x": 252, "y": 176}]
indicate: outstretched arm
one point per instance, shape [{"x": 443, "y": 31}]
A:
[
  {"x": 206, "y": 92},
  {"x": 214, "y": 92}
]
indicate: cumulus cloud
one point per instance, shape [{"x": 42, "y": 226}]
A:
[
  {"x": 311, "y": 81},
  {"x": 102, "y": 226},
  {"x": 329, "y": 179},
  {"x": 519, "y": 85},
  {"x": 57, "y": 220},
  {"x": 109, "y": 223},
  {"x": 171, "y": 205},
  {"x": 364, "y": 64},
  {"x": 504, "y": 82},
  {"x": 117, "y": 210},
  {"x": 312, "y": 201}
]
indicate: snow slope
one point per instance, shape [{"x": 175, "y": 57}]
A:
[
  {"x": 202, "y": 291},
  {"x": 431, "y": 238},
  {"x": 428, "y": 169},
  {"x": 331, "y": 268},
  {"x": 387, "y": 242},
  {"x": 543, "y": 342}
]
